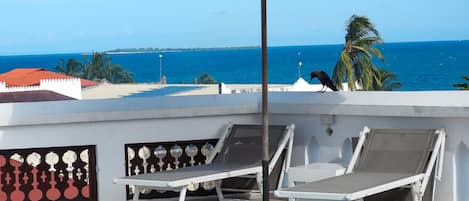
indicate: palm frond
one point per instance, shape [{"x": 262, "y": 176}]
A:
[
  {"x": 359, "y": 27},
  {"x": 338, "y": 74},
  {"x": 355, "y": 63},
  {"x": 377, "y": 52},
  {"x": 348, "y": 65},
  {"x": 368, "y": 74},
  {"x": 389, "y": 81},
  {"x": 368, "y": 41},
  {"x": 463, "y": 86},
  {"x": 61, "y": 67},
  {"x": 362, "y": 50}
]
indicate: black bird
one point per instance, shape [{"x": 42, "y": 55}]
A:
[{"x": 324, "y": 79}]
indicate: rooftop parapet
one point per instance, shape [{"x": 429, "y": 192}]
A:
[{"x": 68, "y": 87}]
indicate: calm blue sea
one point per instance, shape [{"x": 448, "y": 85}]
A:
[{"x": 419, "y": 65}]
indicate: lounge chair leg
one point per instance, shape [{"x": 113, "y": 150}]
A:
[
  {"x": 136, "y": 193},
  {"x": 291, "y": 199},
  {"x": 416, "y": 192},
  {"x": 290, "y": 183},
  {"x": 182, "y": 194},
  {"x": 259, "y": 182},
  {"x": 219, "y": 191}
]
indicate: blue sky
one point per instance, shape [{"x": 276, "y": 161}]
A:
[{"x": 60, "y": 26}]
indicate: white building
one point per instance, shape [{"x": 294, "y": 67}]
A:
[{"x": 68, "y": 87}]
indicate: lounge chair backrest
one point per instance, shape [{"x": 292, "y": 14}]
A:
[
  {"x": 243, "y": 145},
  {"x": 396, "y": 150}
]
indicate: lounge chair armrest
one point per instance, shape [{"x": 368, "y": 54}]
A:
[
  {"x": 220, "y": 143},
  {"x": 385, "y": 187}
]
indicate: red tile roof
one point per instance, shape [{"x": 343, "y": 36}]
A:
[
  {"x": 33, "y": 76},
  {"x": 32, "y": 96}
]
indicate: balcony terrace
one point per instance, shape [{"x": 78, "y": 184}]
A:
[{"x": 107, "y": 128}]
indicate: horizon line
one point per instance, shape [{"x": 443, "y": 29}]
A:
[{"x": 214, "y": 47}]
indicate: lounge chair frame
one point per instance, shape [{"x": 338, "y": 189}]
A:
[
  {"x": 417, "y": 183},
  {"x": 183, "y": 184}
]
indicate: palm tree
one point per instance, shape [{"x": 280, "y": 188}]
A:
[
  {"x": 204, "y": 78},
  {"x": 463, "y": 86},
  {"x": 355, "y": 62},
  {"x": 73, "y": 67},
  {"x": 114, "y": 73},
  {"x": 94, "y": 67},
  {"x": 100, "y": 67},
  {"x": 387, "y": 81}
]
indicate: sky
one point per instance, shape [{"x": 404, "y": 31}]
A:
[{"x": 71, "y": 26}]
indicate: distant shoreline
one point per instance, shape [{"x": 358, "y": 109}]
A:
[
  {"x": 163, "y": 50},
  {"x": 158, "y": 50}
]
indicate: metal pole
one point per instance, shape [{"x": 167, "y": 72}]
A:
[
  {"x": 299, "y": 65},
  {"x": 299, "y": 69},
  {"x": 161, "y": 68},
  {"x": 265, "y": 115}
]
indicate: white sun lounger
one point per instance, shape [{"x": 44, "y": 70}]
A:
[
  {"x": 237, "y": 153},
  {"x": 384, "y": 159}
]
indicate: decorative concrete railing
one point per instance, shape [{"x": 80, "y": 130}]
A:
[
  {"x": 163, "y": 156},
  {"x": 59, "y": 173}
]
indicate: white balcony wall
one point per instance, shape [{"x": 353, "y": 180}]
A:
[{"x": 110, "y": 124}]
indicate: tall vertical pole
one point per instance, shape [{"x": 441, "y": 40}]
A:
[
  {"x": 265, "y": 114},
  {"x": 299, "y": 65},
  {"x": 161, "y": 67}
]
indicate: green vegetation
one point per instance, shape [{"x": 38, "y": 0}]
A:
[
  {"x": 204, "y": 78},
  {"x": 387, "y": 81},
  {"x": 355, "y": 63},
  {"x": 463, "y": 86},
  {"x": 72, "y": 67},
  {"x": 98, "y": 67}
]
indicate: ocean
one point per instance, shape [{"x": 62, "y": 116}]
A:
[{"x": 419, "y": 65}]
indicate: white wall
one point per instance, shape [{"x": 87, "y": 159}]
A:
[
  {"x": 68, "y": 87},
  {"x": 110, "y": 124},
  {"x": 110, "y": 137},
  {"x": 461, "y": 163}
]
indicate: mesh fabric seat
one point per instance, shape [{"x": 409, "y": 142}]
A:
[
  {"x": 243, "y": 147},
  {"x": 396, "y": 151},
  {"x": 390, "y": 158},
  {"x": 238, "y": 153}
]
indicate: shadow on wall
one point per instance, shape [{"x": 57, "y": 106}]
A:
[
  {"x": 462, "y": 172},
  {"x": 316, "y": 153},
  {"x": 346, "y": 152}
]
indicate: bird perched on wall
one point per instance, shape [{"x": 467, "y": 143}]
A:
[{"x": 324, "y": 79}]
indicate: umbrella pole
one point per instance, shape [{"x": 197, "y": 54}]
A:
[{"x": 265, "y": 115}]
